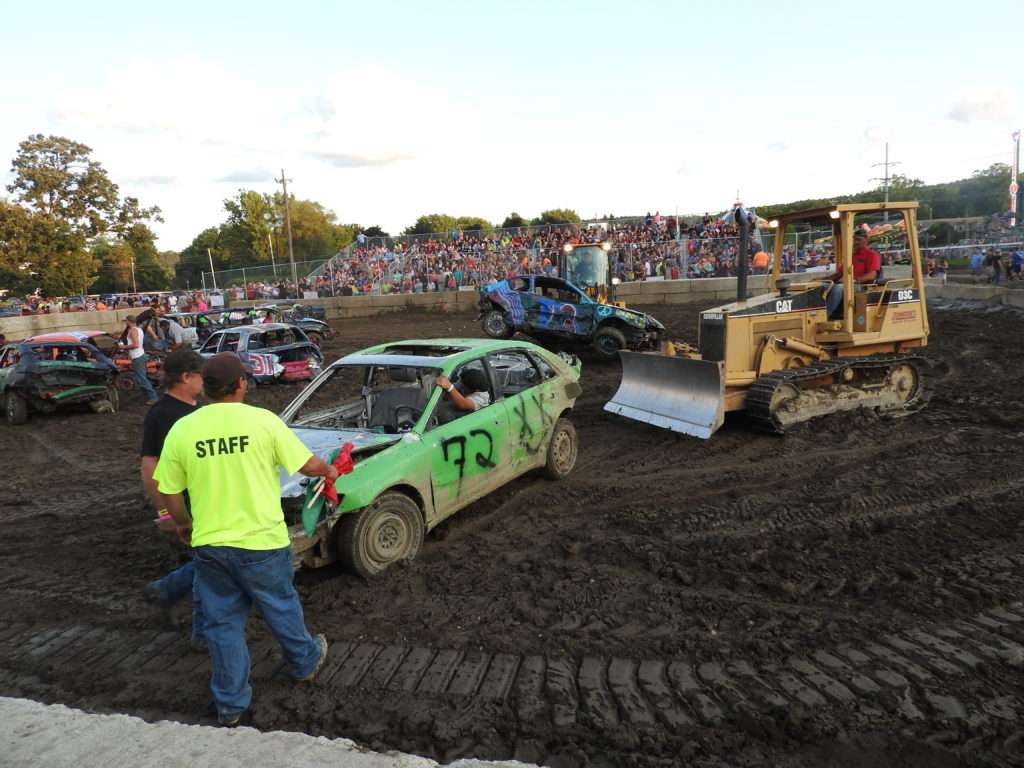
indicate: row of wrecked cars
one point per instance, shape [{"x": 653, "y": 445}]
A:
[{"x": 86, "y": 370}]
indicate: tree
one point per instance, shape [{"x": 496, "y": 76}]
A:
[
  {"x": 558, "y": 216},
  {"x": 472, "y": 224},
  {"x": 150, "y": 273},
  {"x": 513, "y": 220},
  {"x": 373, "y": 231},
  {"x": 983, "y": 194},
  {"x": 39, "y": 253},
  {"x": 251, "y": 236},
  {"x": 939, "y": 233},
  {"x": 193, "y": 260},
  {"x": 431, "y": 223},
  {"x": 116, "y": 263},
  {"x": 55, "y": 177},
  {"x": 312, "y": 231},
  {"x": 67, "y": 198}
]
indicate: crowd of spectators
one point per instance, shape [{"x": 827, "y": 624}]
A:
[{"x": 652, "y": 247}]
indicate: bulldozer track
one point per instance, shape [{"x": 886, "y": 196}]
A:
[
  {"x": 758, "y": 403},
  {"x": 904, "y": 670}
]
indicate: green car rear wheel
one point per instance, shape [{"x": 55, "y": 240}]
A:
[{"x": 563, "y": 449}]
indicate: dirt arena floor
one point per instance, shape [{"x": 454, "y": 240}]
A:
[{"x": 849, "y": 594}]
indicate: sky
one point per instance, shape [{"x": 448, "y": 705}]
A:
[{"x": 386, "y": 111}]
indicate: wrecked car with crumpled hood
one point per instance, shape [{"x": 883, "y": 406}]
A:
[
  {"x": 44, "y": 376},
  {"x": 417, "y": 458}
]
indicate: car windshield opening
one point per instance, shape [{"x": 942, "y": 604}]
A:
[{"x": 379, "y": 398}]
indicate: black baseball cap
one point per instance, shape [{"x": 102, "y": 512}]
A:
[{"x": 223, "y": 369}]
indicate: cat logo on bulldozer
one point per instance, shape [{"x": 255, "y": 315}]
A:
[{"x": 784, "y": 305}]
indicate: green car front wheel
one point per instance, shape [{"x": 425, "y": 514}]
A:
[{"x": 387, "y": 530}]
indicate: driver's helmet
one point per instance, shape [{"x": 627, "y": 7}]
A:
[{"x": 474, "y": 379}]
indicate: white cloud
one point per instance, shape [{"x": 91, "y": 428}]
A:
[
  {"x": 877, "y": 135},
  {"x": 777, "y": 146},
  {"x": 189, "y": 98},
  {"x": 149, "y": 181},
  {"x": 248, "y": 176},
  {"x": 984, "y": 103},
  {"x": 686, "y": 168},
  {"x": 362, "y": 116},
  {"x": 369, "y": 115}
]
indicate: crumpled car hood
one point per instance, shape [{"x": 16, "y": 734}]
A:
[{"x": 322, "y": 442}]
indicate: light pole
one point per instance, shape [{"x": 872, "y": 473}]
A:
[
  {"x": 274, "y": 220},
  {"x": 283, "y": 181},
  {"x": 1013, "y": 177},
  {"x": 213, "y": 276}
]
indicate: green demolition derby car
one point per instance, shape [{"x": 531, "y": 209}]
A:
[{"x": 418, "y": 458}]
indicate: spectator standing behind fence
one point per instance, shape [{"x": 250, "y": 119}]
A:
[
  {"x": 977, "y": 265},
  {"x": 760, "y": 261},
  {"x": 995, "y": 265}
]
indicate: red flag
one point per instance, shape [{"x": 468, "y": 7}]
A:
[{"x": 343, "y": 463}]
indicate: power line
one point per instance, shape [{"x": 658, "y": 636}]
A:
[{"x": 886, "y": 178}]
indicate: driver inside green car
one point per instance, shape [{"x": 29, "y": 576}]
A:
[{"x": 472, "y": 391}]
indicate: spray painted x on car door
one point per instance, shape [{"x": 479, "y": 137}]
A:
[{"x": 530, "y": 391}]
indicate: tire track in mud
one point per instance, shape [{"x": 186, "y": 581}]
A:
[{"x": 909, "y": 673}]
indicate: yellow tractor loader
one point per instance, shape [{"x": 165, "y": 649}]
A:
[{"x": 779, "y": 357}]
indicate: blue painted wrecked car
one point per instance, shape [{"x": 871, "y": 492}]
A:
[{"x": 555, "y": 312}]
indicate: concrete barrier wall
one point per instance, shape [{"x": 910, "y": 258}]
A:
[{"x": 712, "y": 291}]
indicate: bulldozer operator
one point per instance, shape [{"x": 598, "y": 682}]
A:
[
  {"x": 867, "y": 267},
  {"x": 586, "y": 272}
]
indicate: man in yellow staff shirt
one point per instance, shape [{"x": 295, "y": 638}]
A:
[{"x": 226, "y": 455}]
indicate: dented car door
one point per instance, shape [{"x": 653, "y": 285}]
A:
[{"x": 469, "y": 455}]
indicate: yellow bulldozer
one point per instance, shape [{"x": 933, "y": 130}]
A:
[{"x": 779, "y": 357}]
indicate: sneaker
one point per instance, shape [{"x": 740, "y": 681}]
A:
[
  {"x": 322, "y": 642},
  {"x": 161, "y": 608},
  {"x": 150, "y": 402},
  {"x": 230, "y": 722}
]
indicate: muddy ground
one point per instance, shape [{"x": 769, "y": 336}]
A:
[{"x": 848, "y": 594}]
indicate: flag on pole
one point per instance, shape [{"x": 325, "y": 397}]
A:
[{"x": 317, "y": 494}]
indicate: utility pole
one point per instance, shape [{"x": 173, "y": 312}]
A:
[
  {"x": 288, "y": 224},
  {"x": 133, "y": 275},
  {"x": 885, "y": 214}
]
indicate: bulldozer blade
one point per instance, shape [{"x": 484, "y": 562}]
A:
[{"x": 677, "y": 393}]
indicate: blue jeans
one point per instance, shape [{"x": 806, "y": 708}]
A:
[
  {"x": 174, "y": 586},
  {"x": 834, "y": 299},
  {"x": 139, "y": 369},
  {"x": 229, "y": 581}
]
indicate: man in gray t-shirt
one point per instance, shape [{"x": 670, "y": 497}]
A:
[
  {"x": 472, "y": 392},
  {"x": 173, "y": 332}
]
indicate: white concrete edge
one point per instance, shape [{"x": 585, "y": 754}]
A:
[{"x": 54, "y": 736}]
